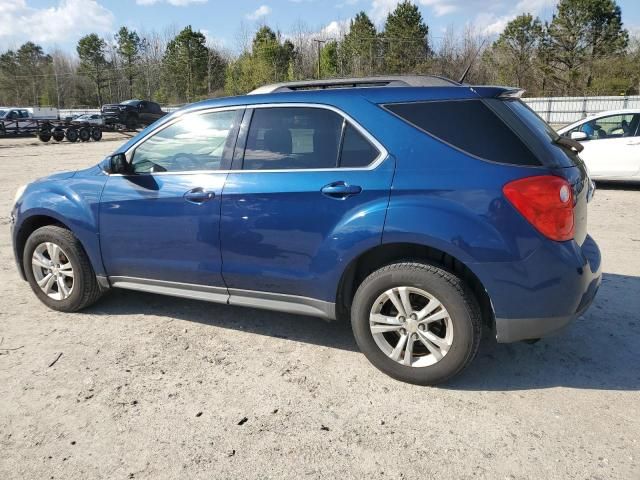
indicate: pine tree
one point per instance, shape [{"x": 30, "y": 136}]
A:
[{"x": 405, "y": 39}]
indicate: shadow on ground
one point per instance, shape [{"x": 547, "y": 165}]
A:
[
  {"x": 601, "y": 350},
  {"x": 600, "y": 185}
]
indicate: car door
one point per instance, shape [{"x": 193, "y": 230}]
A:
[
  {"x": 309, "y": 187},
  {"x": 162, "y": 221},
  {"x": 612, "y": 149}
]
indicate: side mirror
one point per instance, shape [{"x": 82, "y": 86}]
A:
[
  {"x": 579, "y": 136},
  {"x": 118, "y": 164}
]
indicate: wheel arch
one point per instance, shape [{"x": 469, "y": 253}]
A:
[
  {"x": 373, "y": 259},
  {"x": 42, "y": 219}
]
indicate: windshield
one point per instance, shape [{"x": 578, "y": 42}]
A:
[{"x": 129, "y": 102}]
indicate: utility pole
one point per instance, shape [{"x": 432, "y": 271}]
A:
[{"x": 318, "y": 45}]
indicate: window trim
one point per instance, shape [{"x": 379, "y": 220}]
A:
[{"x": 382, "y": 152}]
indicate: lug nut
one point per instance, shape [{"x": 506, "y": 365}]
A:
[{"x": 421, "y": 326}]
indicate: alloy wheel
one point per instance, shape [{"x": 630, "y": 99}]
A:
[
  {"x": 411, "y": 326},
  {"x": 52, "y": 270}
]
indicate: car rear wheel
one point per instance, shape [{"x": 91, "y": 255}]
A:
[
  {"x": 58, "y": 270},
  {"x": 416, "y": 322},
  {"x": 96, "y": 134}
]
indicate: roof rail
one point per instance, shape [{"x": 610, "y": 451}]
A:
[{"x": 382, "y": 81}]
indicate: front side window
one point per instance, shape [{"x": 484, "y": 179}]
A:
[
  {"x": 612, "y": 126},
  {"x": 195, "y": 142}
]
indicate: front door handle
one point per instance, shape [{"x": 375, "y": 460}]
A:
[
  {"x": 198, "y": 195},
  {"x": 340, "y": 190}
]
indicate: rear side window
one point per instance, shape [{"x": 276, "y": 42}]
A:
[
  {"x": 357, "y": 151},
  {"x": 292, "y": 138},
  {"x": 468, "y": 125}
]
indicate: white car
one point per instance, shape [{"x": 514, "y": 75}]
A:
[
  {"x": 93, "y": 119},
  {"x": 611, "y": 142}
]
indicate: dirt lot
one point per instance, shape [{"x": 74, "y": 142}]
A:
[{"x": 155, "y": 387}]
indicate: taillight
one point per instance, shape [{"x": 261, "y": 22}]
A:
[{"x": 546, "y": 202}]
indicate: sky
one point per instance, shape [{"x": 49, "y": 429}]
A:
[{"x": 60, "y": 23}]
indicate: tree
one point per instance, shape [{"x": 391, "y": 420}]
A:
[
  {"x": 513, "y": 54},
  {"x": 185, "y": 62},
  {"x": 405, "y": 39},
  {"x": 91, "y": 50},
  {"x": 583, "y": 32},
  {"x": 329, "y": 59},
  {"x": 270, "y": 60},
  {"x": 9, "y": 79},
  {"x": 216, "y": 66},
  {"x": 360, "y": 45},
  {"x": 128, "y": 48}
]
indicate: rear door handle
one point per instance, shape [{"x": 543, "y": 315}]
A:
[
  {"x": 340, "y": 190},
  {"x": 198, "y": 195}
]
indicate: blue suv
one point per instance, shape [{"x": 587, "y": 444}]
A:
[{"x": 420, "y": 208}]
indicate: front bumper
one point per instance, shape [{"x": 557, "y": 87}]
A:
[{"x": 541, "y": 295}]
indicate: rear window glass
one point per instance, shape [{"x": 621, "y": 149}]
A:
[{"x": 468, "y": 125}]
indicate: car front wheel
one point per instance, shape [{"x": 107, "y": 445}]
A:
[
  {"x": 58, "y": 270},
  {"x": 416, "y": 322}
]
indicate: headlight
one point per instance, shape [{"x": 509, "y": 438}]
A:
[{"x": 19, "y": 193}]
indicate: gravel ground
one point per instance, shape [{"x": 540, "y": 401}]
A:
[{"x": 155, "y": 387}]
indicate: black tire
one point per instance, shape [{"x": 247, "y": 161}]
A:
[
  {"x": 96, "y": 134},
  {"x": 453, "y": 294},
  {"x": 132, "y": 122},
  {"x": 85, "y": 289},
  {"x": 84, "y": 134},
  {"x": 58, "y": 134},
  {"x": 72, "y": 135},
  {"x": 44, "y": 136}
]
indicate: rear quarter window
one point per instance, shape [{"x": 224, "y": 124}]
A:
[{"x": 468, "y": 125}]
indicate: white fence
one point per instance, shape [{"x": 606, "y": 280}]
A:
[
  {"x": 565, "y": 110},
  {"x": 555, "y": 110}
]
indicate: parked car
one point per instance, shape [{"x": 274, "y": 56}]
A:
[
  {"x": 421, "y": 212},
  {"x": 611, "y": 143},
  {"x": 91, "y": 119},
  {"x": 132, "y": 113}
]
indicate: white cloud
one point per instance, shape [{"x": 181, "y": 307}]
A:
[
  {"x": 261, "y": 11},
  {"x": 334, "y": 29},
  {"x": 491, "y": 24},
  {"x": 69, "y": 20},
  {"x": 175, "y": 3},
  {"x": 381, "y": 8}
]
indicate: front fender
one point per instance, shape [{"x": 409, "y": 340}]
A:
[{"x": 73, "y": 202}]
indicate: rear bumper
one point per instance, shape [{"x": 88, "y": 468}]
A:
[
  {"x": 541, "y": 295},
  {"x": 510, "y": 330}
]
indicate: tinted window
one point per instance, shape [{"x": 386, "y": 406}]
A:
[
  {"x": 292, "y": 138},
  {"x": 357, "y": 151},
  {"x": 468, "y": 125},
  {"x": 196, "y": 142}
]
